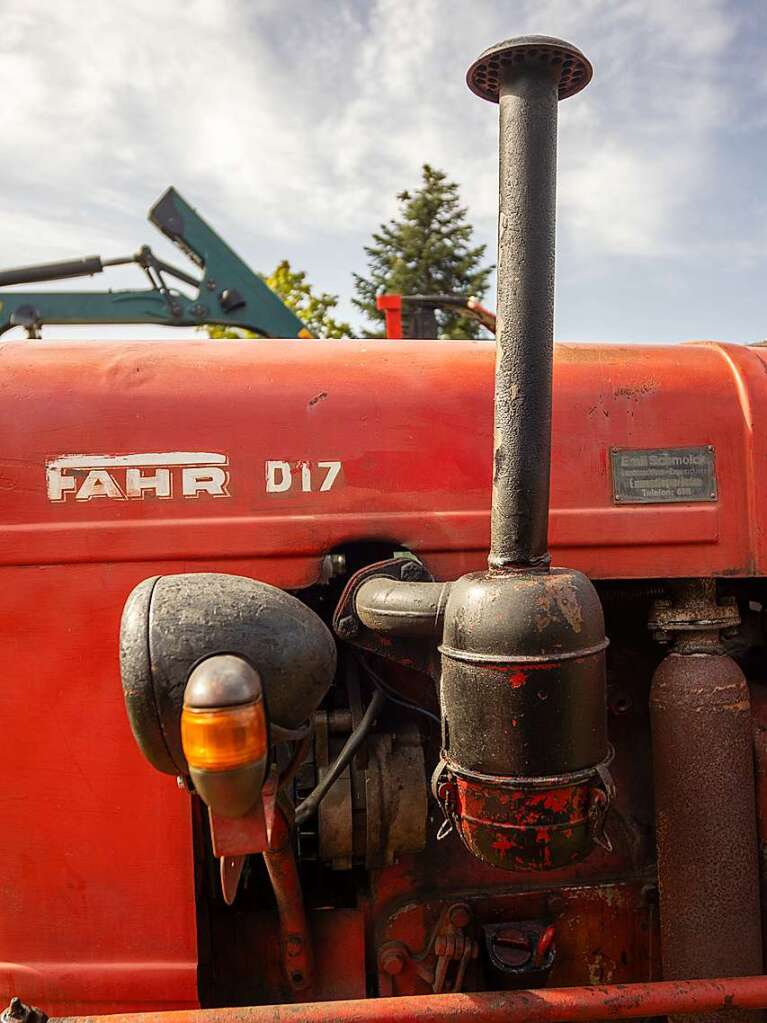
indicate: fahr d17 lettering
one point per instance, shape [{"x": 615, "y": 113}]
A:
[
  {"x": 164, "y": 475},
  {"x": 167, "y": 474}
]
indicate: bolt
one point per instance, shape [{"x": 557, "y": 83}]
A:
[
  {"x": 348, "y": 627},
  {"x": 392, "y": 960},
  {"x": 410, "y": 571},
  {"x": 331, "y": 566},
  {"x": 620, "y": 703},
  {"x": 459, "y": 915},
  {"x": 338, "y": 561}
]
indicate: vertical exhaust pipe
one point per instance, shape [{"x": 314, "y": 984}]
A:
[
  {"x": 527, "y": 77},
  {"x": 523, "y": 776}
]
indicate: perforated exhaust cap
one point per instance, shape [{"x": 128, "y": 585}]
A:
[{"x": 484, "y": 75}]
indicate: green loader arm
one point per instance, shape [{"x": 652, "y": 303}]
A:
[{"x": 229, "y": 293}]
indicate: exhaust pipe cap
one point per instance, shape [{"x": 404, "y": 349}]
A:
[{"x": 485, "y": 74}]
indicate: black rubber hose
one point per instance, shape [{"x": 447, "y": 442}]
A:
[{"x": 309, "y": 806}]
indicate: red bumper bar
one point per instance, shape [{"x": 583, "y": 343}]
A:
[{"x": 553, "y": 1005}]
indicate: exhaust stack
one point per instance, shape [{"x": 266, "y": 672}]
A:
[
  {"x": 527, "y": 77},
  {"x": 524, "y": 762},
  {"x": 523, "y": 773}
]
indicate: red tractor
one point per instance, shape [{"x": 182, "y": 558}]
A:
[{"x": 283, "y": 743}]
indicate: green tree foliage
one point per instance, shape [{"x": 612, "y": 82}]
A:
[
  {"x": 426, "y": 250},
  {"x": 314, "y": 308}
]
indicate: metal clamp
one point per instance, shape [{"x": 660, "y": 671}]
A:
[{"x": 601, "y": 800}]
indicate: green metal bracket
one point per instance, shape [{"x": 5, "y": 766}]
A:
[{"x": 229, "y": 293}]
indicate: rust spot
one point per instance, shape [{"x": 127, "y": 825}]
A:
[
  {"x": 318, "y": 397},
  {"x": 636, "y": 392},
  {"x": 568, "y": 603}
]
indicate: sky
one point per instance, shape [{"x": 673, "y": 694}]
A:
[{"x": 291, "y": 126}]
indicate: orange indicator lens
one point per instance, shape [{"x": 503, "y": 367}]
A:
[{"x": 219, "y": 740}]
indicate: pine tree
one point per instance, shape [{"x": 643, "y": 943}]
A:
[{"x": 425, "y": 251}]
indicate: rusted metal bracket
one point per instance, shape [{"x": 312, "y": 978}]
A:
[
  {"x": 235, "y": 838},
  {"x": 693, "y": 617},
  {"x": 407, "y": 626},
  {"x": 448, "y": 942},
  {"x": 266, "y": 830}
]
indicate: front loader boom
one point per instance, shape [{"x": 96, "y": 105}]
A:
[{"x": 229, "y": 293}]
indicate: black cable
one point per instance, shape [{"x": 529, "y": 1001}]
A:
[
  {"x": 394, "y": 696},
  {"x": 309, "y": 806}
]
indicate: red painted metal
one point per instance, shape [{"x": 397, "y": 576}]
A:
[
  {"x": 369, "y": 404},
  {"x": 606, "y": 933},
  {"x": 239, "y": 836},
  {"x": 520, "y": 828},
  {"x": 295, "y": 939},
  {"x": 98, "y": 911},
  {"x": 392, "y": 310},
  {"x": 552, "y": 1005}
]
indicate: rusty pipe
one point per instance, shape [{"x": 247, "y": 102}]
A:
[
  {"x": 295, "y": 940},
  {"x": 527, "y": 76},
  {"x": 393, "y": 607},
  {"x": 552, "y": 1005},
  {"x": 523, "y": 775},
  {"x": 708, "y": 870},
  {"x": 525, "y": 319}
]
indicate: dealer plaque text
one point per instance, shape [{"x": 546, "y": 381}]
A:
[{"x": 663, "y": 475}]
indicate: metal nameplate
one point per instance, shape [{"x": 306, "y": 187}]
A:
[{"x": 663, "y": 475}]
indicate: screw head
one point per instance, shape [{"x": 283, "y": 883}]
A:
[
  {"x": 348, "y": 627},
  {"x": 410, "y": 571},
  {"x": 460, "y": 915}
]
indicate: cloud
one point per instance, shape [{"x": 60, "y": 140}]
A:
[{"x": 293, "y": 125}]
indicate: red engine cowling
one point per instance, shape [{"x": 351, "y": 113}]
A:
[{"x": 94, "y": 835}]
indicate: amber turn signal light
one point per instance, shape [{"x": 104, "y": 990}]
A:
[
  {"x": 225, "y": 733},
  {"x": 218, "y": 740}
]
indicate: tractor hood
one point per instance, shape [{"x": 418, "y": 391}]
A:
[{"x": 270, "y": 454}]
